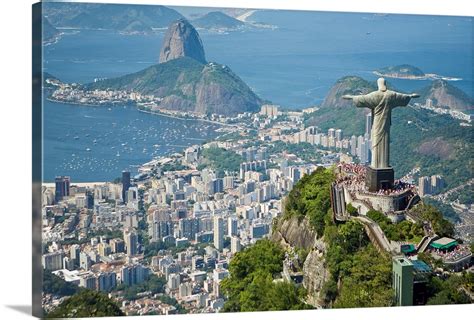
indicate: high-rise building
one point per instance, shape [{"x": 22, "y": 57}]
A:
[
  {"x": 117, "y": 245},
  {"x": 353, "y": 145},
  {"x": 338, "y": 135},
  {"x": 269, "y": 110},
  {"x": 188, "y": 228},
  {"x": 62, "y": 184},
  {"x": 368, "y": 123},
  {"x": 185, "y": 289},
  {"x": 134, "y": 274},
  {"x": 68, "y": 263},
  {"x": 332, "y": 133},
  {"x": 424, "y": 186},
  {"x": 84, "y": 261},
  {"x": 295, "y": 174},
  {"x": 235, "y": 245},
  {"x": 74, "y": 251},
  {"x": 173, "y": 281},
  {"x": 232, "y": 225},
  {"x": 131, "y": 241},
  {"x": 104, "y": 249},
  {"x": 258, "y": 230},
  {"x": 402, "y": 281},
  {"x": 364, "y": 157},
  {"x": 125, "y": 184},
  {"x": 106, "y": 281},
  {"x": 53, "y": 261},
  {"x": 90, "y": 199},
  {"x": 218, "y": 233},
  {"x": 228, "y": 182},
  {"x": 88, "y": 281},
  {"x": 437, "y": 183},
  {"x": 160, "y": 229}
]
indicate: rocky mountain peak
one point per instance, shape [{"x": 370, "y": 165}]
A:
[{"x": 182, "y": 40}]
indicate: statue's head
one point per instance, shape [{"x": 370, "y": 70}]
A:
[{"x": 381, "y": 84}]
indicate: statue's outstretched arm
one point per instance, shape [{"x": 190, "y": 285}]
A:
[
  {"x": 414, "y": 95},
  {"x": 347, "y": 97}
]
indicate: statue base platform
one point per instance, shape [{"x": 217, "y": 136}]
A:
[{"x": 377, "y": 179}]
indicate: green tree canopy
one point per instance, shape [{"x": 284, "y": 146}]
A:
[
  {"x": 87, "y": 303},
  {"x": 310, "y": 197},
  {"x": 251, "y": 285}
]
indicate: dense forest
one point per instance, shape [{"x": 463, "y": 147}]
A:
[{"x": 251, "y": 286}]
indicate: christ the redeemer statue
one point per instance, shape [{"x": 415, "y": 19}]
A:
[
  {"x": 380, "y": 174},
  {"x": 381, "y": 103}
]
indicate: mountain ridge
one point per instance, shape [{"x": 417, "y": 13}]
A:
[{"x": 116, "y": 17}]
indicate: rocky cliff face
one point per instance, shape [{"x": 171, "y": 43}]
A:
[
  {"x": 444, "y": 94},
  {"x": 298, "y": 234},
  {"x": 315, "y": 273},
  {"x": 182, "y": 40},
  {"x": 295, "y": 233}
]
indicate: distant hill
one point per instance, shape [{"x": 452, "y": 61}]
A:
[
  {"x": 117, "y": 17},
  {"x": 419, "y": 137},
  {"x": 217, "y": 20},
  {"x": 335, "y": 110},
  {"x": 49, "y": 31},
  {"x": 444, "y": 94},
  {"x": 188, "y": 85},
  {"x": 347, "y": 85},
  {"x": 401, "y": 71}
]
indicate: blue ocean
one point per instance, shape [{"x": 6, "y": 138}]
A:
[{"x": 293, "y": 65}]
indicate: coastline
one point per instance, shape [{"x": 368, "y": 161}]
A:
[
  {"x": 144, "y": 111},
  {"x": 243, "y": 17},
  {"x": 427, "y": 76},
  {"x": 78, "y": 184},
  {"x": 186, "y": 119},
  {"x": 75, "y": 103}
]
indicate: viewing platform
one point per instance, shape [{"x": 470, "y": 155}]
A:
[{"x": 350, "y": 188}]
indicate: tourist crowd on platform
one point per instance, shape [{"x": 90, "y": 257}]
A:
[
  {"x": 456, "y": 254},
  {"x": 353, "y": 168},
  {"x": 354, "y": 180},
  {"x": 398, "y": 188}
]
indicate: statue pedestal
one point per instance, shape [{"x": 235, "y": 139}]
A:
[{"x": 377, "y": 179}]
